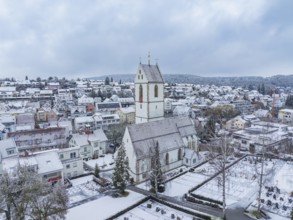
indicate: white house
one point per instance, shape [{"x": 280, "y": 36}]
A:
[
  {"x": 91, "y": 145},
  {"x": 72, "y": 161},
  {"x": 286, "y": 115}
]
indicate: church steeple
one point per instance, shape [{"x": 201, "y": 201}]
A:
[{"x": 149, "y": 93}]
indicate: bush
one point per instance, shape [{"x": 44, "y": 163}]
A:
[{"x": 206, "y": 199}]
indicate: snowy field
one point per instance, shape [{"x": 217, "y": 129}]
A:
[
  {"x": 276, "y": 195},
  {"x": 241, "y": 184},
  {"x": 82, "y": 189},
  {"x": 103, "y": 207},
  {"x": 104, "y": 163},
  {"x": 152, "y": 210},
  {"x": 180, "y": 185}
]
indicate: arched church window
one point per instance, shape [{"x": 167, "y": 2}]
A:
[
  {"x": 140, "y": 93},
  {"x": 179, "y": 154},
  {"x": 156, "y": 90},
  {"x": 167, "y": 158}
]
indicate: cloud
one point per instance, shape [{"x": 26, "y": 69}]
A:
[{"x": 90, "y": 38}]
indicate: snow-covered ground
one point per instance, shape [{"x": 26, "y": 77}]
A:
[
  {"x": 103, "y": 207},
  {"x": 104, "y": 163},
  {"x": 180, "y": 185},
  {"x": 82, "y": 189},
  {"x": 284, "y": 177},
  {"x": 241, "y": 183},
  {"x": 152, "y": 210},
  {"x": 276, "y": 196}
]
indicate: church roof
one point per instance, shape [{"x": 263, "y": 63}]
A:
[
  {"x": 168, "y": 132},
  {"x": 152, "y": 73}
]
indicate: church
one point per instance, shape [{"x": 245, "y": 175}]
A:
[{"x": 173, "y": 135}]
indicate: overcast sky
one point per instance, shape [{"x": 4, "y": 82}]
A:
[{"x": 91, "y": 38}]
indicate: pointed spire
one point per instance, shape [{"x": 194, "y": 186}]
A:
[
  {"x": 139, "y": 60},
  {"x": 149, "y": 56}
]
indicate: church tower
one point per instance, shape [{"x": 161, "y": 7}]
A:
[{"x": 149, "y": 93}]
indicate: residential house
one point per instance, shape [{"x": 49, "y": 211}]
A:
[
  {"x": 126, "y": 115},
  {"x": 72, "y": 161}
]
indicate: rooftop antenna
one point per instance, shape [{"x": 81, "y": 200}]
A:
[
  {"x": 139, "y": 60},
  {"x": 149, "y": 56}
]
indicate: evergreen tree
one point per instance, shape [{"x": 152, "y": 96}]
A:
[
  {"x": 97, "y": 171},
  {"x": 250, "y": 87},
  {"x": 258, "y": 88},
  {"x": 156, "y": 175},
  {"x": 100, "y": 93},
  {"x": 263, "y": 90},
  {"x": 289, "y": 101},
  {"x": 107, "y": 81},
  {"x": 121, "y": 174}
]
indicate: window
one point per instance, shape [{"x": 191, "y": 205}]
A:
[
  {"x": 138, "y": 76},
  {"x": 73, "y": 155},
  {"x": 68, "y": 166},
  {"x": 167, "y": 159},
  {"x": 61, "y": 156},
  {"x": 74, "y": 164},
  {"x": 156, "y": 91},
  {"x": 85, "y": 149},
  {"x": 194, "y": 161},
  {"x": 10, "y": 151},
  {"x": 140, "y": 106},
  {"x": 140, "y": 93},
  {"x": 179, "y": 154},
  {"x": 139, "y": 71}
]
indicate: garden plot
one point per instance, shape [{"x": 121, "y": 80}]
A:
[
  {"x": 180, "y": 185},
  {"x": 241, "y": 183},
  {"x": 154, "y": 210},
  {"x": 82, "y": 188},
  {"x": 277, "y": 197}
]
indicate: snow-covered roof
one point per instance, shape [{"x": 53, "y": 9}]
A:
[
  {"x": 167, "y": 132},
  {"x": 127, "y": 110},
  {"x": 5, "y": 145},
  {"x": 152, "y": 73},
  {"x": 85, "y": 119},
  {"x": 48, "y": 162}
]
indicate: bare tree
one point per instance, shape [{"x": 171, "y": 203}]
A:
[
  {"x": 261, "y": 171},
  {"x": 24, "y": 194},
  {"x": 220, "y": 150},
  {"x": 48, "y": 202},
  {"x": 115, "y": 133}
]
